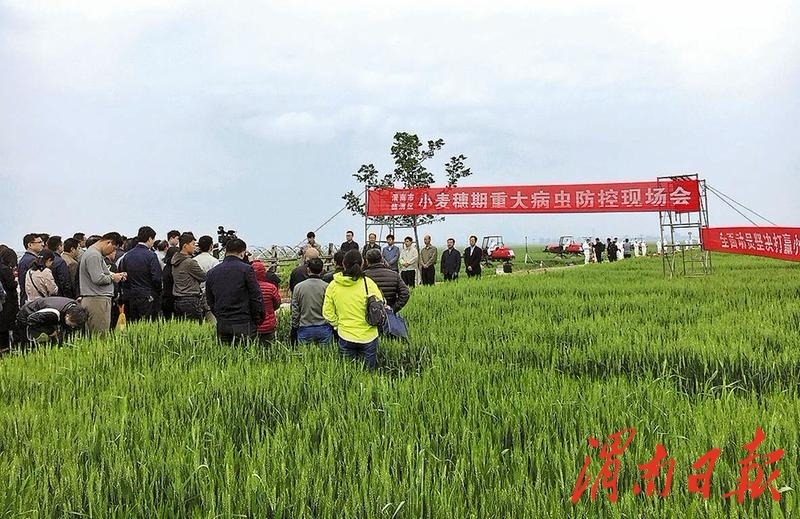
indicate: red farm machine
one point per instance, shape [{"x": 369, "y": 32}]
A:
[
  {"x": 566, "y": 245},
  {"x": 495, "y": 250}
]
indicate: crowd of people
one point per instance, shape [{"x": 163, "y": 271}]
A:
[
  {"x": 613, "y": 249},
  {"x": 85, "y": 283}
]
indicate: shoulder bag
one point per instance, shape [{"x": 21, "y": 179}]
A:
[{"x": 376, "y": 310}]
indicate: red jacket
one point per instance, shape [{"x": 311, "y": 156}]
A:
[{"x": 272, "y": 299}]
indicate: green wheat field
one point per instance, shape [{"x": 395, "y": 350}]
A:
[{"x": 486, "y": 412}]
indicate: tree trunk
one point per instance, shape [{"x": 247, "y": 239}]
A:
[{"x": 416, "y": 243}]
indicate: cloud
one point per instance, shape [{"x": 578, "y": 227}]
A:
[
  {"x": 289, "y": 126},
  {"x": 317, "y": 127}
]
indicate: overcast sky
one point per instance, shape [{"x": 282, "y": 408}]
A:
[{"x": 255, "y": 115}]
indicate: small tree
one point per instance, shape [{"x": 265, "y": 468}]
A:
[{"x": 409, "y": 156}]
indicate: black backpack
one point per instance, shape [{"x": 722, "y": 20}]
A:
[{"x": 376, "y": 309}]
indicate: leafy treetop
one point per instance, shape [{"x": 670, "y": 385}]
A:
[{"x": 409, "y": 154}]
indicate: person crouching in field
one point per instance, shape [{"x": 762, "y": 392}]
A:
[
  {"x": 52, "y": 317},
  {"x": 345, "y": 308},
  {"x": 272, "y": 301},
  {"x": 234, "y": 296}
]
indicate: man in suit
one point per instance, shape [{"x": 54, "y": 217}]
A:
[
  {"x": 142, "y": 288},
  {"x": 472, "y": 257},
  {"x": 348, "y": 244},
  {"x": 451, "y": 261}
]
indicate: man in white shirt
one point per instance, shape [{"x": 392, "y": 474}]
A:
[
  {"x": 409, "y": 262},
  {"x": 206, "y": 261}
]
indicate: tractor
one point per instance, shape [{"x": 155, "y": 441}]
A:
[
  {"x": 495, "y": 250},
  {"x": 566, "y": 245}
]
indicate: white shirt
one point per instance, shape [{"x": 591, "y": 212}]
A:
[
  {"x": 408, "y": 255},
  {"x": 206, "y": 261}
]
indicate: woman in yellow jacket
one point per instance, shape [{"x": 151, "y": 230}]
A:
[{"x": 345, "y": 307}]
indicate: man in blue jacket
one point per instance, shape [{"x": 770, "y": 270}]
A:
[
  {"x": 234, "y": 296},
  {"x": 391, "y": 253},
  {"x": 141, "y": 290}
]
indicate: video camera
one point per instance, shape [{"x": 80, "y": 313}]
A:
[{"x": 225, "y": 236}]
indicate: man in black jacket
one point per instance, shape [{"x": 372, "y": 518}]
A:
[
  {"x": 611, "y": 249},
  {"x": 348, "y": 244},
  {"x": 472, "y": 257},
  {"x": 234, "y": 296},
  {"x": 598, "y": 250},
  {"x": 51, "y": 316},
  {"x": 451, "y": 261},
  {"x": 394, "y": 290},
  {"x": 60, "y": 268},
  {"x": 142, "y": 288},
  {"x": 371, "y": 244}
]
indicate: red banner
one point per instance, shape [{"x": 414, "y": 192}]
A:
[
  {"x": 677, "y": 195},
  {"x": 772, "y": 242}
]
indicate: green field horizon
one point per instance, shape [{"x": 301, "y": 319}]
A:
[{"x": 485, "y": 412}]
